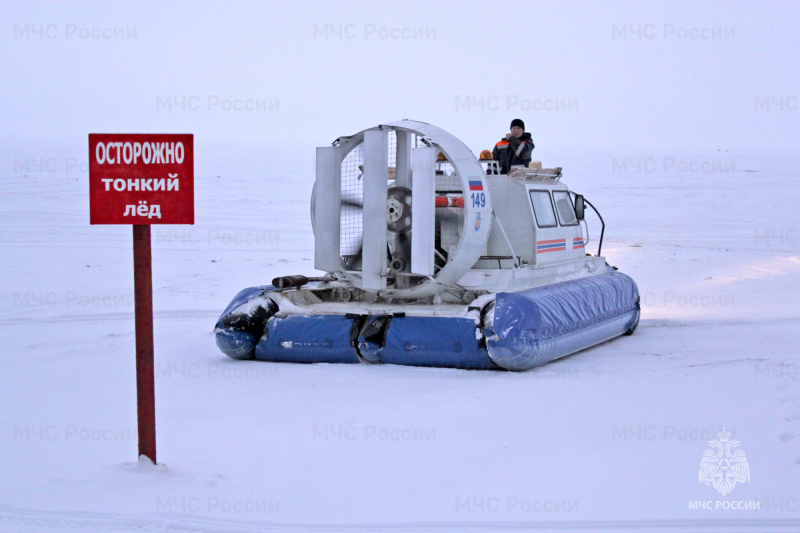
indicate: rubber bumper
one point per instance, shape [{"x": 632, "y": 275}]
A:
[
  {"x": 524, "y": 329},
  {"x": 533, "y": 327}
]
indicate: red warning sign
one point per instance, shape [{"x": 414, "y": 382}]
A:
[{"x": 141, "y": 178}]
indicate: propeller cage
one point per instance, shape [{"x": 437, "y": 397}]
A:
[{"x": 374, "y": 211}]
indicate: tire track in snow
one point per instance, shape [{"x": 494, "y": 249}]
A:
[
  {"x": 23, "y": 520},
  {"x": 181, "y": 314}
]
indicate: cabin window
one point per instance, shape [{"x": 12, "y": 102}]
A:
[
  {"x": 543, "y": 209},
  {"x": 566, "y": 211}
]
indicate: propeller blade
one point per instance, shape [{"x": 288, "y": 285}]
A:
[
  {"x": 352, "y": 203},
  {"x": 352, "y": 234}
]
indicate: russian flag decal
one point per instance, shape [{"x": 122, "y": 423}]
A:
[{"x": 476, "y": 185}]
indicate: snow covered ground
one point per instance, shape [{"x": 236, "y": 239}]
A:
[{"x": 610, "y": 438}]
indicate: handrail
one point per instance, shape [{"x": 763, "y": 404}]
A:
[{"x": 602, "y": 230}]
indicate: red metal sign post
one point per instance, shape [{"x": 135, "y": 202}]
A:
[
  {"x": 142, "y": 179},
  {"x": 145, "y": 375}
]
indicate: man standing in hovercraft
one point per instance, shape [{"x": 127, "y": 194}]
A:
[{"x": 515, "y": 149}]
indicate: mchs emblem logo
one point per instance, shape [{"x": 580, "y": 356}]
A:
[{"x": 723, "y": 467}]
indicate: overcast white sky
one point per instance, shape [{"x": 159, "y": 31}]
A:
[{"x": 594, "y": 74}]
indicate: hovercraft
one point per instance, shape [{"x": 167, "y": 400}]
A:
[{"x": 433, "y": 258}]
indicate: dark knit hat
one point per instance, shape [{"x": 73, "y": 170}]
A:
[{"x": 518, "y": 122}]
